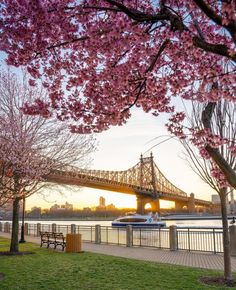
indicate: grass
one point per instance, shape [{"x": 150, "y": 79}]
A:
[{"x": 51, "y": 270}]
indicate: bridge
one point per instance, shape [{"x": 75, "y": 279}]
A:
[{"x": 144, "y": 180}]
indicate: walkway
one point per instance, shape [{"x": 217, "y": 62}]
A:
[{"x": 184, "y": 258}]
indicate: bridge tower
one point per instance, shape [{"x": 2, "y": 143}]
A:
[
  {"x": 155, "y": 204},
  {"x": 147, "y": 176},
  {"x": 141, "y": 170},
  {"x": 179, "y": 205},
  {"x": 191, "y": 204},
  {"x": 140, "y": 199}
]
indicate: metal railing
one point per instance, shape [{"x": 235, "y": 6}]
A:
[
  {"x": 204, "y": 239},
  {"x": 87, "y": 232},
  {"x": 110, "y": 235},
  {"x": 155, "y": 238},
  {"x": 200, "y": 239}
]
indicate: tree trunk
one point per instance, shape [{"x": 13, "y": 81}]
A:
[
  {"x": 226, "y": 245},
  {"x": 215, "y": 154},
  {"x": 224, "y": 166},
  {"x": 14, "y": 247}
]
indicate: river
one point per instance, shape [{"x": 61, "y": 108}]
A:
[{"x": 178, "y": 223}]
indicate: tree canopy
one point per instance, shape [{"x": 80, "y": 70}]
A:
[
  {"x": 100, "y": 58},
  {"x": 31, "y": 147}
]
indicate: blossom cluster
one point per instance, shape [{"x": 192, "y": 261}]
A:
[
  {"x": 99, "y": 58},
  {"x": 219, "y": 176}
]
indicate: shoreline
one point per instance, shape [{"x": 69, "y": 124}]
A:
[
  {"x": 164, "y": 218},
  {"x": 65, "y": 219}
]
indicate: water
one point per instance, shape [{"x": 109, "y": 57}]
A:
[{"x": 178, "y": 223}]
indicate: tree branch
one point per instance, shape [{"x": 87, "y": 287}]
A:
[
  {"x": 139, "y": 87},
  {"x": 67, "y": 42},
  {"x": 177, "y": 24},
  {"x": 162, "y": 48},
  {"x": 136, "y": 14},
  {"x": 210, "y": 13},
  {"x": 219, "y": 49},
  {"x": 103, "y": 8},
  {"x": 207, "y": 115},
  {"x": 224, "y": 166}
]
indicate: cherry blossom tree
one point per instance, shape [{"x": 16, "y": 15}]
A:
[
  {"x": 222, "y": 124},
  {"x": 31, "y": 146},
  {"x": 100, "y": 58}
]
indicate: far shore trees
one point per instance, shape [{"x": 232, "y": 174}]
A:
[{"x": 31, "y": 146}]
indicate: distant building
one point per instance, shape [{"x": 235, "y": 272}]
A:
[
  {"x": 111, "y": 207},
  {"x": 67, "y": 206},
  {"x": 64, "y": 207},
  {"x": 102, "y": 202}
]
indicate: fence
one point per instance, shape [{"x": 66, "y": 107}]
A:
[
  {"x": 209, "y": 240},
  {"x": 174, "y": 238}
]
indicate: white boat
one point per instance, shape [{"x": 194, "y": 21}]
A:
[{"x": 136, "y": 220}]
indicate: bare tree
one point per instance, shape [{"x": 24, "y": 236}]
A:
[
  {"x": 31, "y": 146},
  {"x": 222, "y": 124}
]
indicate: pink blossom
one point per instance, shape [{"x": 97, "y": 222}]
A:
[
  {"x": 109, "y": 62},
  {"x": 98, "y": 59}
]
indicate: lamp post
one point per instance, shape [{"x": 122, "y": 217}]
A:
[
  {"x": 232, "y": 201},
  {"x": 22, "y": 236}
]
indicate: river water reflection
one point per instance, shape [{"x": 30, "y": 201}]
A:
[{"x": 178, "y": 223}]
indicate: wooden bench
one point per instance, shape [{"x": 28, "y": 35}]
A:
[{"x": 51, "y": 238}]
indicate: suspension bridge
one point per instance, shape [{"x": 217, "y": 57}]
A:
[{"x": 145, "y": 180}]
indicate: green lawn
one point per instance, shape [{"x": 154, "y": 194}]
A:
[{"x": 47, "y": 269}]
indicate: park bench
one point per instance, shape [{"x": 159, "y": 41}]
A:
[{"x": 52, "y": 238}]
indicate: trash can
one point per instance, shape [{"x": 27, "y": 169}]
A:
[{"x": 73, "y": 243}]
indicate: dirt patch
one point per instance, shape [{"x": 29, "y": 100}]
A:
[
  {"x": 218, "y": 281},
  {"x": 1, "y": 276},
  {"x": 16, "y": 253}
]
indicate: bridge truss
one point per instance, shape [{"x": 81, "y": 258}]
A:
[{"x": 143, "y": 178}]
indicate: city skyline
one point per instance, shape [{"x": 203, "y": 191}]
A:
[{"x": 101, "y": 204}]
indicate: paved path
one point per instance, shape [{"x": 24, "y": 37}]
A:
[{"x": 184, "y": 258}]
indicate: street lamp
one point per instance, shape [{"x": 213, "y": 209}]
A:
[{"x": 22, "y": 236}]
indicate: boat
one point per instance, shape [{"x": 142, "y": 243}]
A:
[{"x": 136, "y": 220}]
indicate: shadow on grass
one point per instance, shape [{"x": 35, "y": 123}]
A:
[
  {"x": 7, "y": 253},
  {"x": 217, "y": 281}
]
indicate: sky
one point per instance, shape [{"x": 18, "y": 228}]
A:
[{"x": 119, "y": 148}]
